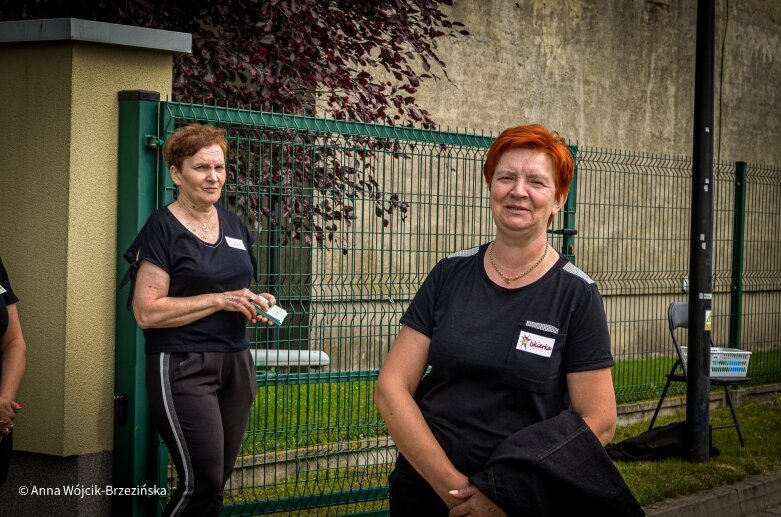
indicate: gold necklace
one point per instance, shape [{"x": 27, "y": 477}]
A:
[
  {"x": 508, "y": 279},
  {"x": 204, "y": 225}
]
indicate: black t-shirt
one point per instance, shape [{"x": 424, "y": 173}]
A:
[
  {"x": 196, "y": 267},
  {"x": 7, "y": 297},
  {"x": 499, "y": 357}
]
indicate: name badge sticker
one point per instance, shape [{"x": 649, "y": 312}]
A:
[
  {"x": 235, "y": 243},
  {"x": 535, "y": 344},
  {"x": 2, "y": 290}
]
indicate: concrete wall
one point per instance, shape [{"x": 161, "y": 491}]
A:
[
  {"x": 619, "y": 75},
  {"x": 613, "y": 73}
]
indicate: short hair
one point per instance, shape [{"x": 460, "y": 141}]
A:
[
  {"x": 538, "y": 137},
  {"x": 188, "y": 140}
]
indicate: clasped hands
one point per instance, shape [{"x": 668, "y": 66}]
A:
[
  {"x": 475, "y": 504},
  {"x": 8, "y": 409}
]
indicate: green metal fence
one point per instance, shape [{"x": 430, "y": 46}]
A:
[
  {"x": 633, "y": 225},
  {"x": 350, "y": 217},
  {"x": 760, "y": 303}
]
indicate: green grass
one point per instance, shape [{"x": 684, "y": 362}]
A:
[
  {"x": 290, "y": 416},
  {"x": 653, "y": 481}
]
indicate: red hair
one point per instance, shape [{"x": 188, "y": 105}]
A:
[
  {"x": 539, "y": 137},
  {"x": 188, "y": 140}
]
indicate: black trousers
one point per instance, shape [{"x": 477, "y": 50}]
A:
[
  {"x": 200, "y": 402},
  {"x": 409, "y": 495},
  {"x": 5, "y": 456}
]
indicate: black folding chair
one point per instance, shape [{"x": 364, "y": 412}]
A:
[{"x": 678, "y": 318}]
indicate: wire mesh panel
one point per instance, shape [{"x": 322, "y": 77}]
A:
[
  {"x": 348, "y": 220},
  {"x": 634, "y": 223},
  {"x": 633, "y": 239},
  {"x": 761, "y": 326}
]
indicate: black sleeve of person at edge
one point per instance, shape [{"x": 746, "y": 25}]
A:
[{"x": 555, "y": 467}]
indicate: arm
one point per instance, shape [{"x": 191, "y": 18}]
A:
[
  {"x": 153, "y": 308},
  {"x": 399, "y": 378},
  {"x": 594, "y": 399},
  {"x": 12, "y": 350}
]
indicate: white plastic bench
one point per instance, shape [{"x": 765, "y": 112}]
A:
[{"x": 310, "y": 358}]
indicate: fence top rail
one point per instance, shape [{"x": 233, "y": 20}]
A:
[{"x": 246, "y": 117}]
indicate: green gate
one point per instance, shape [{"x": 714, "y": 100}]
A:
[{"x": 348, "y": 219}]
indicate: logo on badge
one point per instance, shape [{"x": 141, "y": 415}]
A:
[{"x": 535, "y": 344}]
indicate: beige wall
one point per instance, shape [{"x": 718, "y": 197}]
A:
[
  {"x": 613, "y": 73},
  {"x": 58, "y": 229},
  {"x": 619, "y": 74}
]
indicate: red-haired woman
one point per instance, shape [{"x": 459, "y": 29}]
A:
[{"x": 519, "y": 350}]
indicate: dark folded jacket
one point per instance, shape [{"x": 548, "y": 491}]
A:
[
  {"x": 555, "y": 467},
  {"x": 658, "y": 443}
]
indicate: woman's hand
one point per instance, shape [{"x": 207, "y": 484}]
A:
[
  {"x": 244, "y": 301},
  {"x": 8, "y": 409},
  {"x": 476, "y": 504}
]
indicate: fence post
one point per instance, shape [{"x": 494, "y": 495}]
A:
[
  {"x": 738, "y": 244},
  {"x": 137, "y": 184},
  {"x": 569, "y": 231}
]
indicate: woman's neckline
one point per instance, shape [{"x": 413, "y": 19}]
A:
[
  {"x": 484, "y": 256},
  {"x": 194, "y": 235}
]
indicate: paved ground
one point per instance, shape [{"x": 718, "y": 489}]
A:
[
  {"x": 758, "y": 496},
  {"x": 773, "y": 511}
]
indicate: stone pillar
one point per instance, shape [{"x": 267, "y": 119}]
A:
[{"x": 59, "y": 80}]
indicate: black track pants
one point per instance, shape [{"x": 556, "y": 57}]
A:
[{"x": 200, "y": 402}]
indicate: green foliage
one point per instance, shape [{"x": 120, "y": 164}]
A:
[
  {"x": 278, "y": 54},
  {"x": 294, "y": 56}
]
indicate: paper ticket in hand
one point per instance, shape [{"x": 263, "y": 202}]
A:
[{"x": 275, "y": 313}]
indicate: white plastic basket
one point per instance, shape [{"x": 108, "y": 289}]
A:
[{"x": 725, "y": 362}]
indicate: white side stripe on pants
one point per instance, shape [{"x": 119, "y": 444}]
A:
[{"x": 173, "y": 421}]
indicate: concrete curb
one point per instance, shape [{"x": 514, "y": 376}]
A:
[
  {"x": 632, "y": 412},
  {"x": 746, "y": 497}
]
